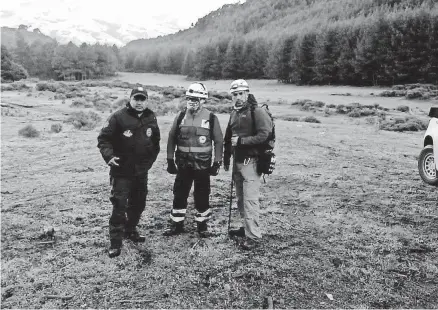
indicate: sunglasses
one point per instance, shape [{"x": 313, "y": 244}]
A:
[
  {"x": 192, "y": 99},
  {"x": 238, "y": 94}
]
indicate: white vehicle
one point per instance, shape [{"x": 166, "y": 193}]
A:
[{"x": 427, "y": 165}]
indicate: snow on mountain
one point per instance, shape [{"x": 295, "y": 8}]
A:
[{"x": 90, "y": 30}]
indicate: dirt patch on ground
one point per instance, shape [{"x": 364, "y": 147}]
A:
[{"x": 347, "y": 221}]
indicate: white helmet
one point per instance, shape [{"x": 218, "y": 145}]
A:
[
  {"x": 197, "y": 90},
  {"x": 239, "y": 85}
]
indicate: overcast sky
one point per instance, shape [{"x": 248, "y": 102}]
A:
[{"x": 181, "y": 12}]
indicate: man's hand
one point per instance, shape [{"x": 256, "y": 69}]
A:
[
  {"x": 113, "y": 162},
  {"x": 235, "y": 140},
  {"x": 214, "y": 170},
  {"x": 171, "y": 168},
  {"x": 226, "y": 167}
]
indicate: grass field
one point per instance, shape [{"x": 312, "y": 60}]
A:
[{"x": 347, "y": 221}]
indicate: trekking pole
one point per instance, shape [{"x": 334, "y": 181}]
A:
[{"x": 231, "y": 195}]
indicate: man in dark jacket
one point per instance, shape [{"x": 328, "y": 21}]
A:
[
  {"x": 244, "y": 142},
  {"x": 193, "y": 134},
  {"x": 129, "y": 143}
]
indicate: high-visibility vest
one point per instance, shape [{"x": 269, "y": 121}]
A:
[{"x": 194, "y": 144}]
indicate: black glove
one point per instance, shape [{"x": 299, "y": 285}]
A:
[
  {"x": 226, "y": 163},
  {"x": 171, "y": 168},
  {"x": 214, "y": 170}
]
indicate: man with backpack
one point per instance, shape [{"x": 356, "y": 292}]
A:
[
  {"x": 249, "y": 130},
  {"x": 193, "y": 134}
]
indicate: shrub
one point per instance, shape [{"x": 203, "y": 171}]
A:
[
  {"x": 72, "y": 94},
  {"x": 102, "y": 105},
  {"x": 370, "y": 120},
  {"x": 84, "y": 121},
  {"x": 311, "y": 119},
  {"x": 358, "y": 112},
  {"x": 29, "y": 132},
  {"x": 80, "y": 103},
  {"x": 15, "y": 86},
  {"x": 163, "y": 107},
  {"x": 306, "y": 104},
  {"x": 219, "y": 108},
  {"x": 120, "y": 103},
  {"x": 42, "y": 86},
  {"x": 173, "y": 92},
  {"x": 404, "y": 124},
  {"x": 6, "y": 87},
  {"x": 354, "y": 113},
  {"x": 341, "y": 109},
  {"x": 56, "y": 128},
  {"x": 219, "y": 95},
  {"x": 393, "y": 93},
  {"x": 403, "y": 108},
  {"x": 290, "y": 118},
  {"x": 60, "y": 97},
  {"x": 415, "y": 93}
]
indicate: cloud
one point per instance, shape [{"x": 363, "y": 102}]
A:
[{"x": 141, "y": 13}]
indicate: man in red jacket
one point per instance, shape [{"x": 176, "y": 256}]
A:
[
  {"x": 129, "y": 143},
  {"x": 192, "y": 137},
  {"x": 244, "y": 142}
]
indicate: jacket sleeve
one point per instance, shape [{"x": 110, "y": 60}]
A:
[
  {"x": 157, "y": 139},
  {"x": 106, "y": 137},
  {"x": 171, "y": 141},
  {"x": 218, "y": 140},
  {"x": 263, "y": 128},
  {"x": 227, "y": 144}
]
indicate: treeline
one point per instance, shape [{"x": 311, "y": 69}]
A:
[
  {"x": 50, "y": 60},
  {"x": 375, "y": 42}
]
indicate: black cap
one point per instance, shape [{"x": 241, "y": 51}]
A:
[{"x": 139, "y": 91}]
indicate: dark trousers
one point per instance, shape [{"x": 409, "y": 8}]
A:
[
  {"x": 128, "y": 196},
  {"x": 181, "y": 190}
]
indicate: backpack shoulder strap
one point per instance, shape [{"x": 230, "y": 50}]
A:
[
  {"x": 254, "y": 129},
  {"x": 211, "y": 121},
  {"x": 178, "y": 121}
]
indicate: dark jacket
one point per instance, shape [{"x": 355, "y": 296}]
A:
[
  {"x": 193, "y": 142},
  {"x": 135, "y": 140},
  {"x": 240, "y": 124}
]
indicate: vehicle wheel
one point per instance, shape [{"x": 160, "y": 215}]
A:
[{"x": 426, "y": 166}]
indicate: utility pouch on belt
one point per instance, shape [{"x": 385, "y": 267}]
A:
[{"x": 266, "y": 162}]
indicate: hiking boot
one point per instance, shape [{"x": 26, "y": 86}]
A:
[
  {"x": 134, "y": 236},
  {"x": 115, "y": 248},
  {"x": 237, "y": 232},
  {"x": 203, "y": 230},
  {"x": 249, "y": 244},
  {"x": 174, "y": 229}
]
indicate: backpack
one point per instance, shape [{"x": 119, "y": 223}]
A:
[
  {"x": 267, "y": 159},
  {"x": 183, "y": 114}
]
